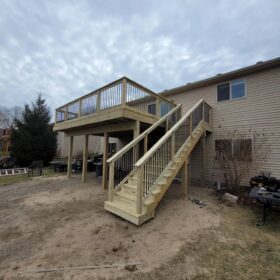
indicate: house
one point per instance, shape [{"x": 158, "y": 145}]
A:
[
  {"x": 175, "y": 131},
  {"x": 6, "y": 141}
]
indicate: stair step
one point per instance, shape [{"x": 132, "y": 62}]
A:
[
  {"x": 167, "y": 174},
  {"x": 162, "y": 182},
  {"x": 126, "y": 196}
]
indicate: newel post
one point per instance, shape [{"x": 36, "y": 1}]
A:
[
  {"x": 111, "y": 180},
  {"x": 203, "y": 110},
  {"x": 140, "y": 180}
]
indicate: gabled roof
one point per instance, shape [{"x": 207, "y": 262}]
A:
[{"x": 259, "y": 66}]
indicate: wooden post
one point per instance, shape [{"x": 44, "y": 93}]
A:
[
  {"x": 105, "y": 157},
  {"x": 140, "y": 173},
  {"x": 98, "y": 97},
  {"x": 111, "y": 180},
  {"x": 185, "y": 178},
  {"x": 172, "y": 145},
  {"x": 158, "y": 107},
  {"x": 80, "y": 107},
  {"x": 145, "y": 144},
  {"x": 203, "y": 158},
  {"x": 166, "y": 125},
  {"x": 191, "y": 124},
  {"x": 189, "y": 171},
  {"x": 136, "y": 132},
  {"x": 66, "y": 113},
  {"x": 203, "y": 111},
  {"x": 85, "y": 157},
  {"x": 70, "y": 154},
  {"x": 124, "y": 91}
]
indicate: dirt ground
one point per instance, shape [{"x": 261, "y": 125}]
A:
[{"x": 56, "y": 222}]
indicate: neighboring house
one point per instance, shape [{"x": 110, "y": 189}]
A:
[
  {"x": 141, "y": 172},
  {"x": 6, "y": 141}
]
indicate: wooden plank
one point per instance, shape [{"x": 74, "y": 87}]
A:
[
  {"x": 85, "y": 157},
  {"x": 70, "y": 154},
  {"x": 111, "y": 180},
  {"x": 185, "y": 178},
  {"x": 203, "y": 159},
  {"x": 105, "y": 164},
  {"x": 140, "y": 174}
]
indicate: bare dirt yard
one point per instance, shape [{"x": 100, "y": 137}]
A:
[{"x": 60, "y": 223}]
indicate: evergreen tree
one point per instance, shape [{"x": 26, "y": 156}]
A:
[{"x": 32, "y": 136}]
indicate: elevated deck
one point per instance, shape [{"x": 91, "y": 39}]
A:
[{"x": 119, "y": 102}]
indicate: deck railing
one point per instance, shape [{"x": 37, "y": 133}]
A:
[
  {"x": 121, "y": 93},
  {"x": 122, "y": 163},
  {"x": 160, "y": 156}
]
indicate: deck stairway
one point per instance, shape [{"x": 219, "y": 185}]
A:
[{"x": 140, "y": 175}]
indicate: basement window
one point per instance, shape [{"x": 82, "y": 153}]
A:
[
  {"x": 231, "y": 90},
  {"x": 237, "y": 149}
]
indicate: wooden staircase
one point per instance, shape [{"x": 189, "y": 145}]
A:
[{"x": 136, "y": 197}]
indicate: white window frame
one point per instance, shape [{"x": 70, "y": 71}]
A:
[{"x": 230, "y": 91}]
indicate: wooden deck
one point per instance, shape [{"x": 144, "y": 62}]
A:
[{"x": 118, "y": 103}]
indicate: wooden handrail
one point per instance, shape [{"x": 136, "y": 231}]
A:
[
  {"x": 148, "y": 155},
  {"x": 142, "y": 135}
]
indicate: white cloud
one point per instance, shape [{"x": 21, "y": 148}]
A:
[{"x": 66, "y": 48}]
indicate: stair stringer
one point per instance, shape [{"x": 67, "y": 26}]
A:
[{"x": 165, "y": 180}]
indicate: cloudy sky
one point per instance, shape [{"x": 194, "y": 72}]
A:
[{"x": 65, "y": 49}]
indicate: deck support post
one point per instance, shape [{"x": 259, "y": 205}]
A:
[
  {"x": 185, "y": 178},
  {"x": 70, "y": 155},
  {"x": 85, "y": 157},
  {"x": 203, "y": 158},
  {"x": 136, "y": 132},
  {"x": 105, "y": 157}
]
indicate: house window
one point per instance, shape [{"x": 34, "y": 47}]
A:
[
  {"x": 223, "y": 92},
  {"x": 223, "y": 149},
  {"x": 152, "y": 108},
  {"x": 242, "y": 149},
  {"x": 112, "y": 148},
  {"x": 237, "y": 149},
  {"x": 231, "y": 90},
  {"x": 237, "y": 89}
]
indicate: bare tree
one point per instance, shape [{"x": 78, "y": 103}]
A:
[
  {"x": 8, "y": 115},
  {"x": 238, "y": 151}
]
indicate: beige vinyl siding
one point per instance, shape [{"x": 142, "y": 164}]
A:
[
  {"x": 259, "y": 110},
  {"x": 95, "y": 145}
]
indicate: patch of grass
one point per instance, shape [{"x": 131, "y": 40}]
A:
[
  {"x": 13, "y": 179},
  {"x": 9, "y": 180}
]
